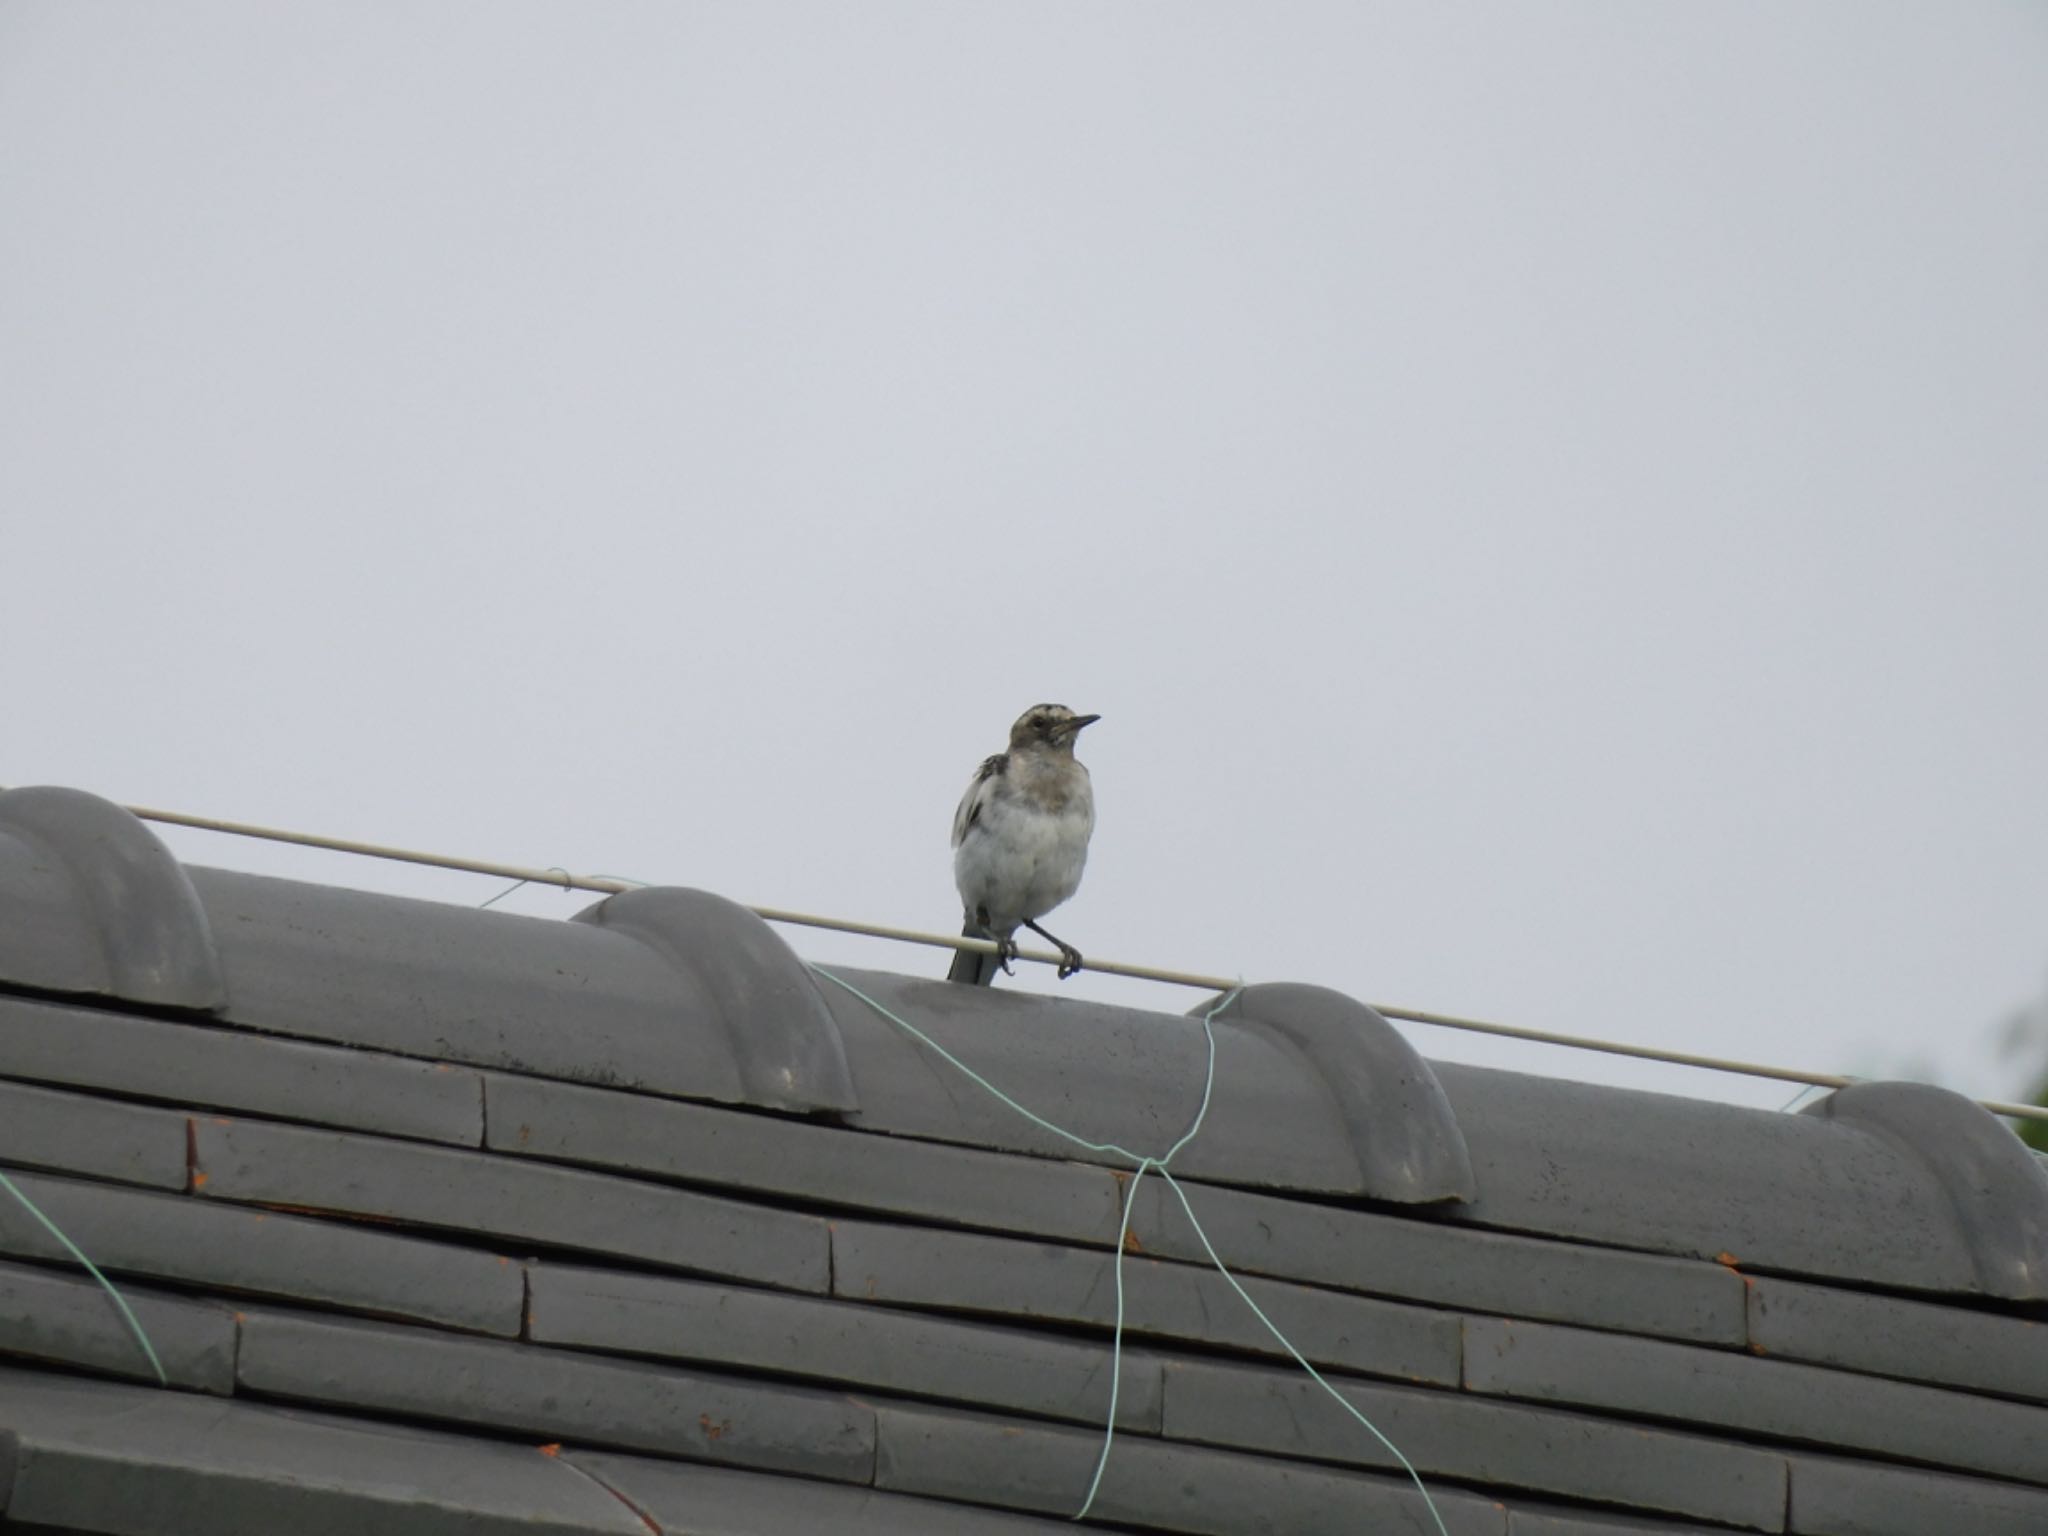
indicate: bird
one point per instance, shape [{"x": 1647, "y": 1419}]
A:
[{"x": 1020, "y": 840}]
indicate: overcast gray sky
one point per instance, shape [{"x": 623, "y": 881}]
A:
[{"x": 1550, "y": 501}]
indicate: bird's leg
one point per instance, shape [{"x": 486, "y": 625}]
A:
[
  {"x": 1070, "y": 957},
  {"x": 1006, "y": 944}
]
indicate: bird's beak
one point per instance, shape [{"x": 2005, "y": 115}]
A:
[{"x": 1079, "y": 721}]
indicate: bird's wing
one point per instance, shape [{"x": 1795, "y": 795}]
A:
[{"x": 979, "y": 789}]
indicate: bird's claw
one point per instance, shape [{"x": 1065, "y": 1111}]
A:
[
  {"x": 1070, "y": 960},
  {"x": 1006, "y": 951}
]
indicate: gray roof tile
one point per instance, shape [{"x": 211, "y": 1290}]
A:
[
  {"x": 1476, "y": 1440},
  {"x": 69, "y": 1318},
  {"x": 1913, "y": 1340},
  {"x": 686, "y": 1500},
  {"x": 919, "y": 1266},
  {"x": 1401, "y": 1255},
  {"x": 488, "y": 989},
  {"x": 819, "y": 1164},
  {"x": 1154, "y": 1483},
  {"x": 104, "y": 1138},
  {"x": 872, "y": 1346},
  {"x": 1998, "y": 1194},
  {"x": 1792, "y": 1193},
  {"x": 263, "y": 1253},
  {"x": 1833, "y": 1497},
  {"x": 1110, "y": 1075},
  {"x": 734, "y": 974},
  {"x": 229, "y": 1069},
  {"x": 95, "y": 1456},
  {"x": 247, "y": 1160},
  {"x": 1409, "y": 1146},
  {"x": 1800, "y": 1403},
  {"x": 1536, "y": 1520},
  {"x": 97, "y": 904},
  {"x": 557, "y": 1395}
]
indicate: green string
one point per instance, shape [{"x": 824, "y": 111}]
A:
[
  {"x": 94, "y": 1270},
  {"x": 1141, "y": 1166}
]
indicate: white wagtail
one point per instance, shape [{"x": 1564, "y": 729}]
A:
[{"x": 1020, "y": 840}]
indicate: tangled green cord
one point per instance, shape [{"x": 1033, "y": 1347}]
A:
[
  {"x": 134, "y": 1326},
  {"x": 1141, "y": 1165}
]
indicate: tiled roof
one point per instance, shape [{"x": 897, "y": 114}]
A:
[{"x": 442, "y": 1221}]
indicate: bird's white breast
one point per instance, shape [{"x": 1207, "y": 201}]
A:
[{"x": 1021, "y": 859}]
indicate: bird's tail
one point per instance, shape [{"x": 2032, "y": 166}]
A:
[{"x": 975, "y": 967}]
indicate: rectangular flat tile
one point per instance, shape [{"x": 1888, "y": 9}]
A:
[
  {"x": 1502, "y": 1446},
  {"x": 688, "y": 1500},
  {"x": 876, "y": 1347},
  {"x": 264, "y": 1253},
  {"x": 104, "y": 1456},
  {"x": 1784, "y": 1401},
  {"x": 69, "y": 1319},
  {"x": 825, "y": 1165},
  {"x": 251, "y": 1161},
  {"x": 1623, "y": 1168},
  {"x": 959, "y": 1271},
  {"x": 1913, "y": 1340},
  {"x": 1107, "y": 1073},
  {"x": 195, "y": 1064},
  {"x": 1446, "y": 1265},
  {"x": 557, "y": 1395},
  {"x": 1016, "y": 1464},
  {"x": 102, "y": 1138},
  {"x": 453, "y": 983},
  {"x": 1832, "y": 1497},
  {"x": 1548, "y": 1521}
]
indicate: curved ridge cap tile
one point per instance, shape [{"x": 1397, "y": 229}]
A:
[
  {"x": 1403, "y": 1130},
  {"x": 1998, "y": 1189},
  {"x": 137, "y": 930},
  {"x": 783, "y": 1038}
]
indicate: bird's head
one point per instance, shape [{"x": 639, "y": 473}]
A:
[{"x": 1048, "y": 725}]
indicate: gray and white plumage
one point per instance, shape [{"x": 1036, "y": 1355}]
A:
[{"x": 1020, "y": 839}]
